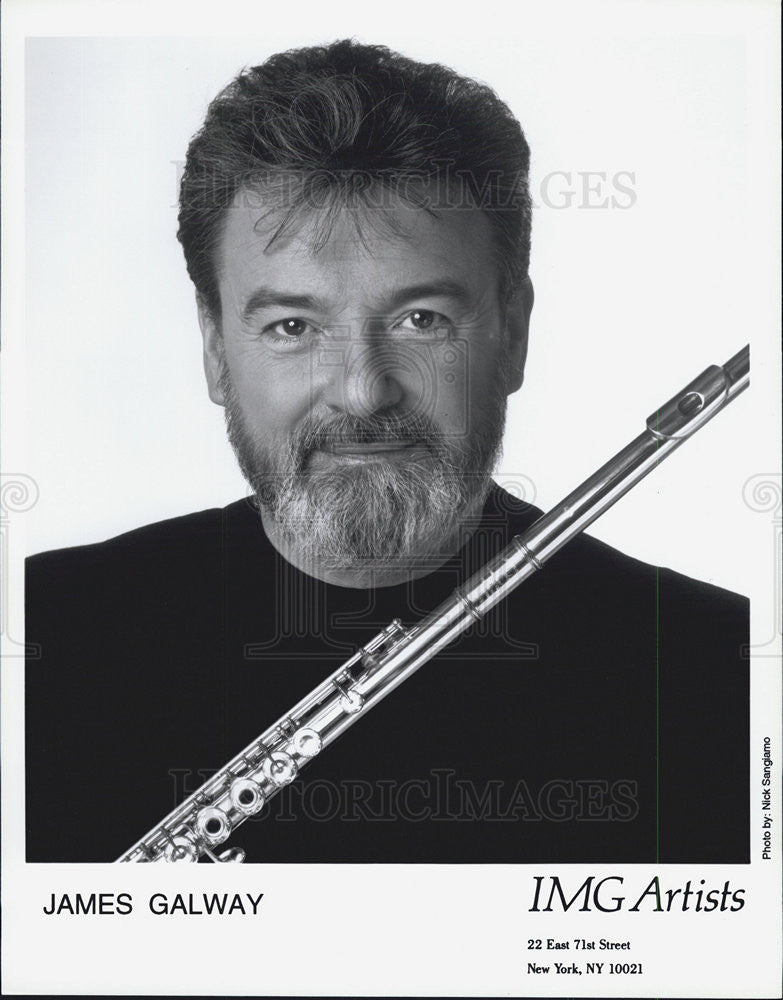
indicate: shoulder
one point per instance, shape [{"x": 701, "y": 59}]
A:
[
  {"x": 640, "y": 604},
  {"x": 592, "y": 572},
  {"x": 172, "y": 547},
  {"x": 589, "y": 555}
]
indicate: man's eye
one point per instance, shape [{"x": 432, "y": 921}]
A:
[
  {"x": 289, "y": 329},
  {"x": 422, "y": 319}
]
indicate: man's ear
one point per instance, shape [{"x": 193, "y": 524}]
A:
[
  {"x": 517, "y": 327},
  {"x": 213, "y": 349}
]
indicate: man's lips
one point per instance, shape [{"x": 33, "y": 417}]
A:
[{"x": 366, "y": 447}]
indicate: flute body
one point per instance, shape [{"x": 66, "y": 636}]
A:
[{"x": 241, "y": 788}]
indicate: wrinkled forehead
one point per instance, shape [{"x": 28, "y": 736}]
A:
[{"x": 325, "y": 220}]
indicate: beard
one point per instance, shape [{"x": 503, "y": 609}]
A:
[{"x": 374, "y": 514}]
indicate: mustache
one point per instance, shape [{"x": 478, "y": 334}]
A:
[{"x": 348, "y": 429}]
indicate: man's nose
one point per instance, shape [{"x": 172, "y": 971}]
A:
[{"x": 363, "y": 377}]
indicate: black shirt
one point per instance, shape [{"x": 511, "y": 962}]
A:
[{"x": 599, "y": 714}]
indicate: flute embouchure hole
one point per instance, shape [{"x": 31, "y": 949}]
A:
[{"x": 691, "y": 403}]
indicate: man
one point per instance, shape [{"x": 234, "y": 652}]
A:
[{"x": 357, "y": 226}]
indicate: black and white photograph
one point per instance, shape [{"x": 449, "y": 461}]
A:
[{"x": 391, "y": 499}]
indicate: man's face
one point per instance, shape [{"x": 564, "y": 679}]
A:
[{"x": 364, "y": 378}]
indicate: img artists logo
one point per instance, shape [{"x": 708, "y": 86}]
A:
[{"x": 605, "y": 895}]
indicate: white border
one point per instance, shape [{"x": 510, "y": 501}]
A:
[{"x": 429, "y": 929}]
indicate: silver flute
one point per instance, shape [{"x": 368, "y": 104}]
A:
[{"x": 241, "y": 788}]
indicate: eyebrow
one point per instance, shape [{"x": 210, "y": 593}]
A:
[
  {"x": 263, "y": 298},
  {"x": 441, "y": 288}
]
